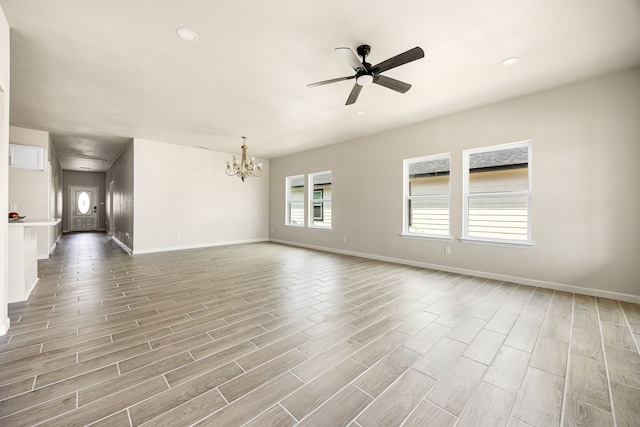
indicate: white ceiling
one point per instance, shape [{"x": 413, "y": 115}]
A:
[{"x": 96, "y": 73}]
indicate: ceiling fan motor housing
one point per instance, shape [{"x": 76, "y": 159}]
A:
[
  {"x": 367, "y": 73},
  {"x": 363, "y": 51},
  {"x": 364, "y": 77}
]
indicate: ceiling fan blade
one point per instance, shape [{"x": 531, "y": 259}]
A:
[
  {"x": 403, "y": 58},
  {"x": 354, "y": 94},
  {"x": 326, "y": 82},
  {"x": 392, "y": 84},
  {"x": 351, "y": 58}
]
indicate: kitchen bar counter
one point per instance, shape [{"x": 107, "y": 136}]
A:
[
  {"x": 34, "y": 222},
  {"x": 23, "y": 256}
]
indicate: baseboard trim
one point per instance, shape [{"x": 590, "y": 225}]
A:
[
  {"x": 4, "y": 327},
  {"x": 53, "y": 247},
  {"x": 122, "y": 245},
  {"x": 198, "y": 246},
  {"x": 484, "y": 274},
  {"x": 35, "y": 282}
]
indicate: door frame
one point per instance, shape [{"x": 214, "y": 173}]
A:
[{"x": 110, "y": 210}]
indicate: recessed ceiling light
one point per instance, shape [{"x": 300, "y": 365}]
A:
[
  {"x": 360, "y": 113},
  {"x": 510, "y": 61},
  {"x": 187, "y": 34}
]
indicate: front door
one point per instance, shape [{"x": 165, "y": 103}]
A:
[{"x": 83, "y": 208}]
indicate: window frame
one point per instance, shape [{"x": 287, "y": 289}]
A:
[
  {"x": 466, "y": 154},
  {"x": 288, "y": 201},
  {"x": 406, "y": 198},
  {"x": 312, "y": 201}
]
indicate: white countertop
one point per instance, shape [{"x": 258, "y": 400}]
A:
[{"x": 34, "y": 222}]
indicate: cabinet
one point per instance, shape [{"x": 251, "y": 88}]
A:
[{"x": 26, "y": 157}]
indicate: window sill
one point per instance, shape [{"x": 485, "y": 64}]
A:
[
  {"x": 295, "y": 225},
  {"x": 315, "y": 227},
  {"x": 426, "y": 237},
  {"x": 509, "y": 244}
]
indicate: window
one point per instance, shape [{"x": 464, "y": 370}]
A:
[
  {"x": 295, "y": 200},
  {"x": 320, "y": 197},
  {"x": 83, "y": 203},
  {"x": 497, "y": 193},
  {"x": 426, "y": 196}
]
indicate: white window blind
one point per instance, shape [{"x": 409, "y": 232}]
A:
[
  {"x": 426, "y": 194},
  {"x": 497, "y": 193},
  {"x": 320, "y": 188},
  {"x": 295, "y": 200}
]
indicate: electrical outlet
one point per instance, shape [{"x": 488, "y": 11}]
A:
[
  {"x": 447, "y": 250},
  {"x": 178, "y": 236},
  {"x": 344, "y": 239},
  {"x": 13, "y": 208}
]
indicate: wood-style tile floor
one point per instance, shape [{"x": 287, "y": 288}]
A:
[{"x": 266, "y": 334}]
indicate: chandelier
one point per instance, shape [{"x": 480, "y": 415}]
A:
[{"x": 244, "y": 169}]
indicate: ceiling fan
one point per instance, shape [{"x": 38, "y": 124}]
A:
[{"x": 367, "y": 73}]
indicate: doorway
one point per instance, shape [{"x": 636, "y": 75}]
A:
[
  {"x": 110, "y": 209},
  {"x": 83, "y": 208}
]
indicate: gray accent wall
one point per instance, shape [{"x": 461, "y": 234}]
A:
[
  {"x": 121, "y": 174},
  {"x": 585, "y": 198}
]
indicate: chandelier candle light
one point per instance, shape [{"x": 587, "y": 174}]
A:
[{"x": 244, "y": 169}]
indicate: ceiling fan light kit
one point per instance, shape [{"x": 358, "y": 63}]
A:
[
  {"x": 367, "y": 74},
  {"x": 364, "y": 80}
]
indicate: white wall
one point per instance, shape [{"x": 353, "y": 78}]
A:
[
  {"x": 184, "y": 191},
  {"x": 30, "y": 189},
  {"x": 585, "y": 189},
  {"x": 4, "y": 170}
]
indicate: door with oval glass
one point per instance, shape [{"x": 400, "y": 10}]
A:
[{"x": 83, "y": 208}]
